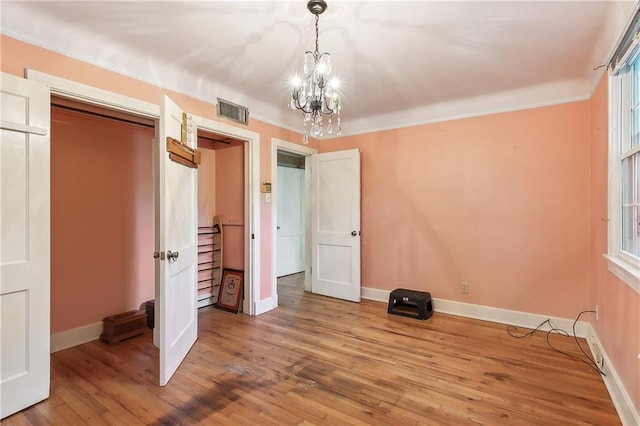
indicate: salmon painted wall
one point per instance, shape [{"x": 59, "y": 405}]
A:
[
  {"x": 206, "y": 187},
  {"x": 16, "y": 56},
  {"x": 499, "y": 201},
  {"x": 510, "y": 203},
  {"x": 230, "y": 203},
  {"x": 618, "y": 324},
  {"x": 102, "y": 218}
]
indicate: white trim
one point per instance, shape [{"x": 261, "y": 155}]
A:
[
  {"x": 625, "y": 271},
  {"x": 507, "y": 316},
  {"x": 203, "y": 94},
  {"x": 204, "y": 302},
  {"x": 251, "y": 202},
  {"x": 282, "y": 145},
  {"x": 628, "y": 56},
  {"x": 488, "y": 313},
  {"x": 624, "y": 266},
  {"x": 623, "y": 32},
  {"x": 266, "y": 305},
  {"x": 494, "y": 103},
  {"x": 23, "y": 128},
  {"x": 630, "y": 152},
  {"x": 94, "y": 96},
  {"x": 621, "y": 400},
  {"x": 444, "y": 112},
  {"x": 613, "y": 166},
  {"x": 375, "y": 294},
  {"x": 75, "y": 336}
]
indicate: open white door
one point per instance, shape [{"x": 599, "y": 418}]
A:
[
  {"x": 177, "y": 243},
  {"x": 25, "y": 243},
  {"x": 290, "y": 220},
  {"x": 335, "y": 224}
]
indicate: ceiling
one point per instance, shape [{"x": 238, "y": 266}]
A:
[{"x": 400, "y": 62}]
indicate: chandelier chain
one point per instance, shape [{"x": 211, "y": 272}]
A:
[{"x": 317, "y": 32}]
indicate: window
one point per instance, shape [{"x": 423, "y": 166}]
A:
[
  {"x": 624, "y": 160},
  {"x": 630, "y": 158}
]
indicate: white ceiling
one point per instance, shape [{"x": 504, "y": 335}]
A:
[{"x": 401, "y": 62}]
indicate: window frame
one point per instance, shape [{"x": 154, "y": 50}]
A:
[{"x": 625, "y": 265}]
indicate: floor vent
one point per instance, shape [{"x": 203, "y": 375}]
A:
[{"x": 232, "y": 111}]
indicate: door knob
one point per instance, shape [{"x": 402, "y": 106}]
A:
[
  {"x": 354, "y": 233},
  {"x": 172, "y": 256}
]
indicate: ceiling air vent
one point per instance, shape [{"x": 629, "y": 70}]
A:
[{"x": 232, "y": 111}]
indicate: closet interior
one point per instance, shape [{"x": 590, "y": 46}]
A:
[{"x": 220, "y": 212}]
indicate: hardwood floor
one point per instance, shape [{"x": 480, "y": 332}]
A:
[{"x": 317, "y": 360}]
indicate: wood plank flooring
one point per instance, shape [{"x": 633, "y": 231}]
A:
[{"x": 317, "y": 360}]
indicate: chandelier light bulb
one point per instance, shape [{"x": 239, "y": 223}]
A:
[
  {"x": 322, "y": 68},
  {"x": 314, "y": 92}
]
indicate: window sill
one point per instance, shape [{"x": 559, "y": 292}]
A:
[{"x": 628, "y": 271}]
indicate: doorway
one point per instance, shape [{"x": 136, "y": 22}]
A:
[
  {"x": 285, "y": 157},
  {"x": 291, "y": 214},
  {"x": 102, "y": 217},
  {"x": 221, "y": 221},
  {"x": 98, "y": 97},
  {"x": 332, "y": 217}
]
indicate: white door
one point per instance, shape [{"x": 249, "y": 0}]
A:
[
  {"x": 25, "y": 244},
  {"x": 177, "y": 241},
  {"x": 290, "y": 220},
  {"x": 335, "y": 224}
]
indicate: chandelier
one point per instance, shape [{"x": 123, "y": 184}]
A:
[{"x": 315, "y": 92}]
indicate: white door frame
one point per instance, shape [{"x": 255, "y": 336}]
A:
[
  {"x": 293, "y": 148},
  {"x": 251, "y": 304},
  {"x": 104, "y": 98}
]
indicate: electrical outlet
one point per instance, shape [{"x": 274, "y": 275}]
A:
[
  {"x": 464, "y": 287},
  {"x": 598, "y": 357},
  {"x": 597, "y": 313},
  {"x": 600, "y": 361}
]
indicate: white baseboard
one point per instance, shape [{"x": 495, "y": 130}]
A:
[
  {"x": 265, "y": 305},
  {"x": 488, "y": 313},
  {"x": 375, "y": 294},
  {"x": 507, "y": 316},
  {"x": 619, "y": 396},
  {"x": 207, "y": 301},
  {"x": 75, "y": 336},
  {"x": 621, "y": 400}
]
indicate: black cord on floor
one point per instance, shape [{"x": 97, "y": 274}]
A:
[{"x": 552, "y": 329}]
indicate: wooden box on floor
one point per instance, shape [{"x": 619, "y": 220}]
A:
[{"x": 122, "y": 326}]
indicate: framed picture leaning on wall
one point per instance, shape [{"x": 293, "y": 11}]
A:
[{"x": 231, "y": 290}]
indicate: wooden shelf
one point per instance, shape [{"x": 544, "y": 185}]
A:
[{"x": 209, "y": 261}]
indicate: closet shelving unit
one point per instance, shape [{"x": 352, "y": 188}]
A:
[{"x": 209, "y": 262}]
